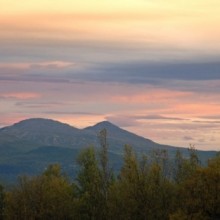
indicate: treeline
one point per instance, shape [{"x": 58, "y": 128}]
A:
[{"x": 145, "y": 189}]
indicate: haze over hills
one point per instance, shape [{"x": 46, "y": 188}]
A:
[{"x": 31, "y": 145}]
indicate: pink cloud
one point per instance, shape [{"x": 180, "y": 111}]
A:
[
  {"x": 202, "y": 108},
  {"x": 52, "y": 65},
  {"x": 80, "y": 121},
  {"x": 40, "y": 65},
  {"x": 152, "y": 96},
  {"x": 20, "y": 95},
  {"x": 7, "y": 119}
]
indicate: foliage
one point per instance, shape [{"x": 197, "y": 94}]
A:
[
  {"x": 94, "y": 180},
  {"x": 47, "y": 196},
  {"x": 199, "y": 191},
  {"x": 89, "y": 185},
  {"x": 148, "y": 187}
]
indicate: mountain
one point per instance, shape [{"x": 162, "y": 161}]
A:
[
  {"x": 31, "y": 145},
  {"x": 118, "y": 137},
  {"x": 39, "y": 132}
]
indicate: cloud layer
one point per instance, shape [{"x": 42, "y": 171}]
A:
[{"x": 149, "y": 66}]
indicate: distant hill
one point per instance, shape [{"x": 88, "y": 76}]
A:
[{"x": 29, "y": 146}]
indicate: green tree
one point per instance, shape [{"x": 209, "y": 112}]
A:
[
  {"x": 142, "y": 190},
  {"x": 200, "y": 192},
  {"x": 160, "y": 193},
  {"x": 185, "y": 167},
  {"x": 94, "y": 180},
  {"x": 48, "y": 196},
  {"x": 89, "y": 186},
  {"x": 105, "y": 171},
  {"x": 127, "y": 193}
]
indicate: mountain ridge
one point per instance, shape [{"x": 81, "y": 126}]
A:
[
  {"x": 30, "y": 145},
  {"x": 53, "y": 132}
]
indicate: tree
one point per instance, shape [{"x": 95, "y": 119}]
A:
[
  {"x": 127, "y": 194},
  {"x": 89, "y": 186},
  {"x": 105, "y": 171},
  {"x": 161, "y": 158},
  {"x": 142, "y": 190},
  {"x": 200, "y": 192},
  {"x": 185, "y": 167},
  {"x": 94, "y": 180},
  {"x": 48, "y": 196}
]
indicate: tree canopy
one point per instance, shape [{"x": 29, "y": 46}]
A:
[{"x": 152, "y": 187}]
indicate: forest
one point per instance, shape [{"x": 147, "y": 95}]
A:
[{"x": 148, "y": 187}]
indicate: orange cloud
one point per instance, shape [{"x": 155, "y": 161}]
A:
[{"x": 168, "y": 24}]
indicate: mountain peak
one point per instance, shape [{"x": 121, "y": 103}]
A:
[
  {"x": 41, "y": 125},
  {"x": 105, "y": 123},
  {"x": 33, "y": 120},
  {"x": 37, "y": 121}
]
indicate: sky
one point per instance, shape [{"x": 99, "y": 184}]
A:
[{"x": 151, "y": 67}]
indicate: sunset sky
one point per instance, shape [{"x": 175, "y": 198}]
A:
[{"x": 151, "y": 67}]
